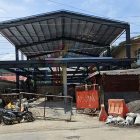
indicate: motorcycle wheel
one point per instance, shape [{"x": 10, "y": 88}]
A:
[
  {"x": 29, "y": 117},
  {"x": 18, "y": 120},
  {"x": 7, "y": 122},
  {"x": 0, "y": 119}
]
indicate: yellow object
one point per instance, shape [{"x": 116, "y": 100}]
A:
[{"x": 10, "y": 106}]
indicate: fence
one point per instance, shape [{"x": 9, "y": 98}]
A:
[{"x": 44, "y": 106}]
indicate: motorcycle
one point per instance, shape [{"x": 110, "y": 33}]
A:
[
  {"x": 9, "y": 117},
  {"x": 1, "y": 112}
]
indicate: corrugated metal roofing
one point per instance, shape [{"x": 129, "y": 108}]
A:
[
  {"x": 54, "y": 32},
  {"x": 117, "y": 72},
  {"x": 11, "y": 78}
]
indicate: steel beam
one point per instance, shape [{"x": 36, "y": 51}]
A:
[
  {"x": 42, "y": 54},
  {"x": 68, "y": 77},
  {"x": 41, "y": 72},
  {"x": 76, "y": 71},
  {"x": 56, "y": 51},
  {"x": 61, "y": 38},
  {"x": 83, "y": 53},
  {"x": 68, "y": 81},
  {"x": 56, "y": 62},
  {"x": 108, "y": 52}
]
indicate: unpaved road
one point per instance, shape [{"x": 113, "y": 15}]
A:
[{"x": 82, "y": 128}]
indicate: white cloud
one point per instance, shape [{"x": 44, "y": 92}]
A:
[{"x": 7, "y": 57}]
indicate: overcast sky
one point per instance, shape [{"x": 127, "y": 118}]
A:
[{"x": 125, "y": 10}]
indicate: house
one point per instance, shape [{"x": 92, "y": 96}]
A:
[
  {"x": 120, "y": 51},
  {"x": 8, "y": 76}
]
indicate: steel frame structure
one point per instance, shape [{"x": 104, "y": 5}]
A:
[{"x": 76, "y": 37}]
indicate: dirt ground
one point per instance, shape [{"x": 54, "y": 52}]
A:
[{"x": 82, "y": 127}]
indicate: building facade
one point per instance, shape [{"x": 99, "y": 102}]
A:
[{"x": 120, "y": 51}]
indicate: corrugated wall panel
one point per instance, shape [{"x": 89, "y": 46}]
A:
[{"x": 121, "y": 83}]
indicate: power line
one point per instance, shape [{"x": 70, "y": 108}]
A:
[
  {"x": 73, "y": 7},
  {"x": 56, "y": 2}
]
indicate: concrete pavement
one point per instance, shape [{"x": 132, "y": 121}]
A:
[{"x": 82, "y": 128}]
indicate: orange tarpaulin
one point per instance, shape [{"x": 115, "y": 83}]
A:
[{"x": 87, "y": 99}]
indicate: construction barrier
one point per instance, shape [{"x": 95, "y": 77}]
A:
[
  {"x": 117, "y": 107},
  {"x": 103, "y": 115},
  {"x": 87, "y": 99}
]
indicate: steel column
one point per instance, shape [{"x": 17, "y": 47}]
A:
[
  {"x": 108, "y": 52},
  {"x": 108, "y": 55},
  {"x": 22, "y": 56},
  {"x": 64, "y": 74},
  {"x": 17, "y": 75},
  {"x": 128, "y": 43},
  {"x": 34, "y": 79}
]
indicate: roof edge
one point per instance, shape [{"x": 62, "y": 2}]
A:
[{"x": 32, "y": 17}]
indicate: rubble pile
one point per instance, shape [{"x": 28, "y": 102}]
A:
[{"x": 129, "y": 120}]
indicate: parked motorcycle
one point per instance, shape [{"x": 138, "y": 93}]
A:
[
  {"x": 1, "y": 112},
  {"x": 9, "y": 117}
]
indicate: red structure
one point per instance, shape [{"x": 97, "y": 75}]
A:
[
  {"x": 117, "y": 107},
  {"x": 103, "y": 115},
  {"x": 118, "y": 84},
  {"x": 11, "y": 78},
  {"x": 87, "y": 98}
]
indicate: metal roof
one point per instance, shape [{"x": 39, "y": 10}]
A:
[
  {"x": 116, "y": 72},
  {"x": 50, "y": 34}
]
